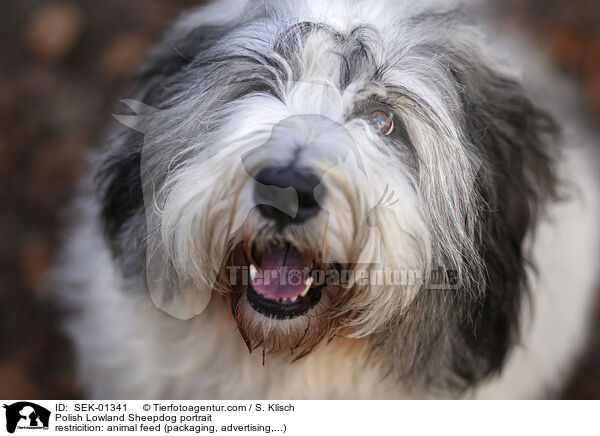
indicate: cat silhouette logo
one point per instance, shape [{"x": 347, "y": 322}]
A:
[{"x": 26, "y": 415}]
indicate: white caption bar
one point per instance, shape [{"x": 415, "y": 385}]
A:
[{"x": 299, "y": 417}]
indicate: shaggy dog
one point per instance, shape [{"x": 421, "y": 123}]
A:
[{"x": 331, "y": 199}]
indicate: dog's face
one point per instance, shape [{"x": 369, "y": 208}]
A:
[{"x": 317, "y": 170}]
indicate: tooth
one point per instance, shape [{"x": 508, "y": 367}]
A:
[
  {"x": 252, "y": 272},
  {"x": 308, "y": 284},
  {"x": 293, "y": 299}
]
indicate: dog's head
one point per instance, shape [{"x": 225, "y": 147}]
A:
[{"x": 369, "y": 177}]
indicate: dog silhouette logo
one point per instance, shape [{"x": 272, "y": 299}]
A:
[{"x": 26, "y": 415}]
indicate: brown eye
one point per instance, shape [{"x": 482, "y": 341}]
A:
[{"x": 382, "y": 121}]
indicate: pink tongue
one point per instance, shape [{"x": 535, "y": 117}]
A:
[{"x": 282, "y": 273}]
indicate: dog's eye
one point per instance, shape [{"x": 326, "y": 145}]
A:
[{"x": 382, "y": 121}]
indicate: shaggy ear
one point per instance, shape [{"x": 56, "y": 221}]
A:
[
  {"x": 470, "y": 332},
  {"x": 119, "y": 179},
  {"x": 161, "y": 77},
  {"x": 517, "y": 144}
]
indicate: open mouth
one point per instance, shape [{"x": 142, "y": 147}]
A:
[{"x": 281, "y": 283}]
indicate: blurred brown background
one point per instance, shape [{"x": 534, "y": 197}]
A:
[{"x": 63, "y": 64}]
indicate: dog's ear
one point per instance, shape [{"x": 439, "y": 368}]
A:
[
  {"x": 119, "y": 179},
  {"x": 160, "y": 77},
  {"x": 471, "y": 333},
  {"x": 516, "y": 142},
  {"x": 119, "y": 176}
]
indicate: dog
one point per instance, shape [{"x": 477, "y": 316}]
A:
[{"x": 331, "y": 199}]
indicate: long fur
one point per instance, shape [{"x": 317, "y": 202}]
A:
[{"x": 474, "y": 178}]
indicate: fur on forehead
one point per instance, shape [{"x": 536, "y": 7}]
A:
[{"x": 484, "y": 152}]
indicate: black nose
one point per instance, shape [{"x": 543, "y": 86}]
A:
[{"x": 273, "y": 203}]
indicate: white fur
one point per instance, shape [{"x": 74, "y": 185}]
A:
[{"x": 128, "y": 348}]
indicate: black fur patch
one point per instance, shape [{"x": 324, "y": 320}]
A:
[
  {"x": 121, "y": 184},
  {"x": 517, "y": 143}
]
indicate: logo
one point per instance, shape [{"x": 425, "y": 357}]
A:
[{"x": 26, "y": 415}]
